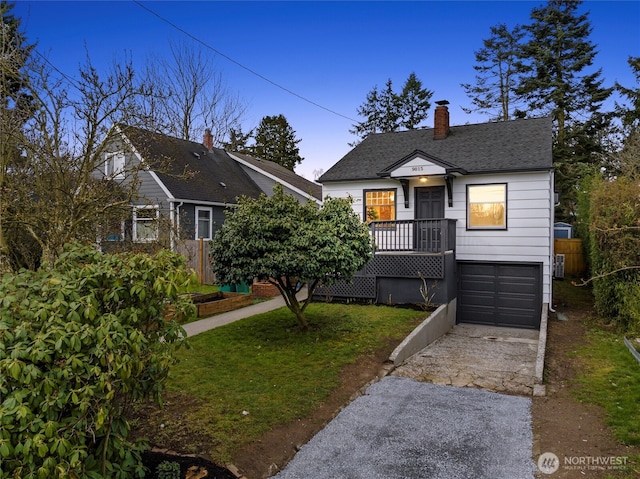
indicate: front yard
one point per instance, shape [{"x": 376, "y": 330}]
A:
[{"x": 262, "y": 374}]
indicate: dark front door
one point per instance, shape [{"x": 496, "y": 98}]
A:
[{"x": 429, "y": 206}]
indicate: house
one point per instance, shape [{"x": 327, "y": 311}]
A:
[
  {"x": 188, "y": 184},
  {"x": 460, "y": 215}
]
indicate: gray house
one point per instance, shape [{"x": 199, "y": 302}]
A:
[
  {"x": 188, "y": 184},
  {"x": 468, "y": 209}
]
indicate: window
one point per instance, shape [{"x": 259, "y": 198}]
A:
[
  {"x": 203, "y": 223},
  {"x": 114, "y": 165},
  {"x": 379, "y": 205},
  {"x": 487, "y": 206},
  {"x": 145, "y": 223},
  {"x": 114, "y": 230}
]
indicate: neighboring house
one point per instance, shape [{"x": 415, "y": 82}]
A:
[
  {"x": 469, "y": 209},
  {"x": 188, "y": 184}
]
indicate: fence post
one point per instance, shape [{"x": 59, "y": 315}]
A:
[{"x": 201, "y": 260}]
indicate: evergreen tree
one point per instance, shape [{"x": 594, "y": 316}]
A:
[
  {"x": 386, "y": 111},
  {"x": 276, "y": 141},
  {"x": 630, "y": 114},
  {"x": 14, "y": 54},
  {"x": 414, "y": 103},
  {"x": 555, "y": 57},
  {"x": 496, "y": 79},
  {"x": 390, "y": 109},
  {"x": 371, "y": 112},
  {"x": 556, "y": 80},
  {"x": 16, "y": 107},
  {"x": 238, "y": 141}
]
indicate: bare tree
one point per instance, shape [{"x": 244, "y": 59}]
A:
[
  {"x": 57, "y": 189},
  {"x": 190, "y": 95}
]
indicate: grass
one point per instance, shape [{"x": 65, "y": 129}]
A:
[
  {"x": 201, "y": 288},
  {"x": 610, "y": 376},
  {"x": 611, "y": 379},
  {"x": 254, "y": 374}
]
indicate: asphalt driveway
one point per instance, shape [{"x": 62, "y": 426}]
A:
[{"x": 406, "y": 429}]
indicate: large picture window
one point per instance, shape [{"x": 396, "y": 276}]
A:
[
  {"x": 487, "y": 206},
  {"x": 203, "y": 223},
  {"x": 379, "y": 205},
  {"x": 145, "y": 223}
]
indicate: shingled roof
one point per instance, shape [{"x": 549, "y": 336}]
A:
[
  {"x": 192, "y": 172},
  {"x": 284, "y": 174},
  {"x": 508, "y": 146}
]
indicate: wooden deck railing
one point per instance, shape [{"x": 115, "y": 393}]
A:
[{"x": 421, "y": 235}]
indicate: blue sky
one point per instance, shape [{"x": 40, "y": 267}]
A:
[{"x": 331, "y": 53}]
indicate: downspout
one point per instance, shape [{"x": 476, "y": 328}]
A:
[{"x": 552, "y": 217}]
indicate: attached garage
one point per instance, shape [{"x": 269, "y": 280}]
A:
[{"x": 500, "y": 294}]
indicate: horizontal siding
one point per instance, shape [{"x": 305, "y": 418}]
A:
[
  {"x": 529, "y": 221},
  {"x": 354, "y": 189}
]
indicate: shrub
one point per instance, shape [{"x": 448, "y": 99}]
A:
[
  {"x": 168, "y": 470},
  {"x": 80, "y": 342},
  {"x": 615, "y": 249}
]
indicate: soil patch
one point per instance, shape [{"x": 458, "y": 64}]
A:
[
  {"x": 191, "y": 467},
  {"x": 562, "y": 424}
]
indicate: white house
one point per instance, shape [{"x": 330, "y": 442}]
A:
[{"x": 468, "y": 208}]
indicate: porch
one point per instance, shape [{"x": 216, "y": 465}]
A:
[{"x": 411, "y": 258}]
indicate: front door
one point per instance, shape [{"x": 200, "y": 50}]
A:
[{"x": 429, "y": 205}]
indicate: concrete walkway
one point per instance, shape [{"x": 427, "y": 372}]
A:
[
  {"x": 486, "y": 357},
  {"x": 205, "y": 324}
]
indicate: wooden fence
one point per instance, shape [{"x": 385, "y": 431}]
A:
[
  {"x": 574, "y": 262},
  {"x": 197, "y": 254}
]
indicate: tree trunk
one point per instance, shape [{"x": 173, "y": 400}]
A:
[{"x": 288, "y": 292}]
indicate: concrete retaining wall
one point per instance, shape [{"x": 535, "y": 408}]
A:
[{"x": 437, "y": 324}]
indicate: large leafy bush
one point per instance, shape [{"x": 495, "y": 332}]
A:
[
  {"x": 281, "y": 240},
  {"x": 615, "y": 249},
  {"x": 80, "y": 342}
]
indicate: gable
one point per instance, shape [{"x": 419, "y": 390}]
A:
[{"x": 417, "y": 164}]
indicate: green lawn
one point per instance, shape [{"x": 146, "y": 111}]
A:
[
  {"x": 611, "y": 375},
  {"x": 263, "y": 371},
  {"x": 202, "y": 288},
  {"x": 612, "y": 380}
]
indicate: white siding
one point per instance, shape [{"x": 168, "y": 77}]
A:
[{"x": 528, "y": 237}]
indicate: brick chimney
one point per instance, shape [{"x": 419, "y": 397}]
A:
[
  {"x": 208, "y": 139},
  {"x": 441, "y": 121}
]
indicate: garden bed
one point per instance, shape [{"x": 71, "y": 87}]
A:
[
  {"x": 191, "y": 467},
  {"x": 220, "y": 302}
]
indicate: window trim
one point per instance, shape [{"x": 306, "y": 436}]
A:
[
  {"x": 197, "y": 222},
  {"x": 395, "y": 203},
  {"x": 134, "y": 228},
  {"x": 110, "y": 165},
  {"x": 506, "y": 209}
]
